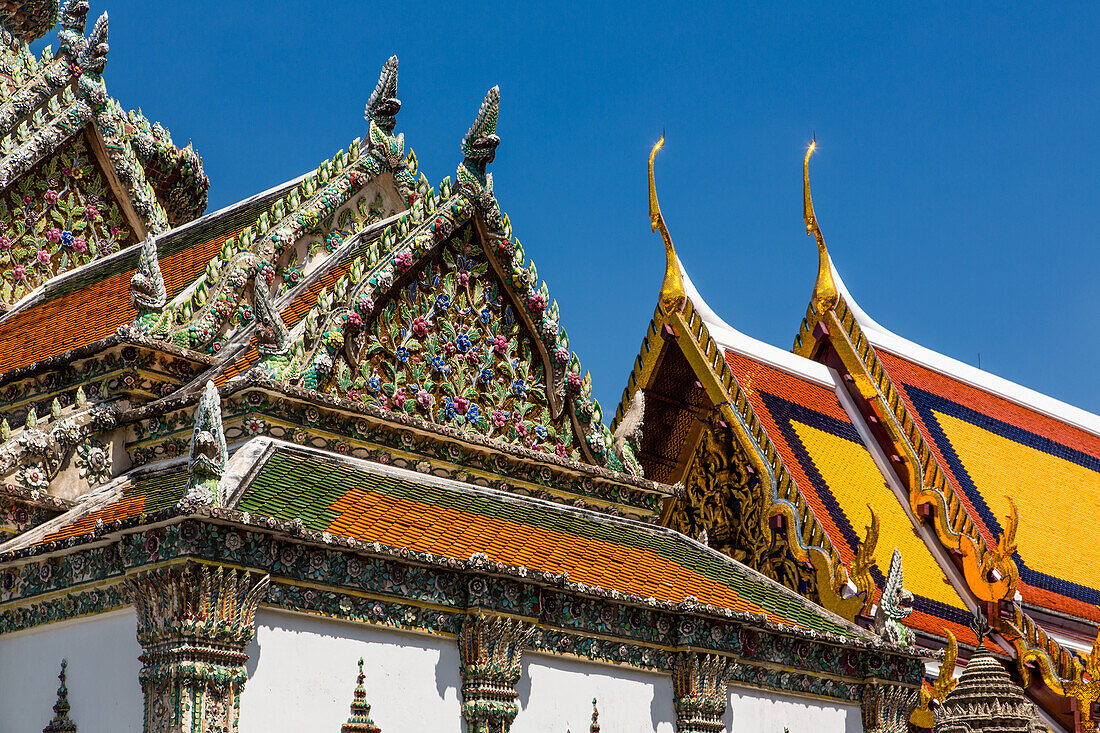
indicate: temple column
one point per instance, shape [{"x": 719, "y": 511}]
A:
[
  {"x": 193, "y": 624},
  {"x": 699, "y": 685},
  {"x": 491, "y": 650}
]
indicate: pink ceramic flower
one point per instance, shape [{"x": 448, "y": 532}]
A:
[
  {"x": 51, "y": 197},
  {"x": 461, "y": 405},
  {"x": 79, "y": 244},
  {"x": 424, "y": 399},
  {"x": 43, "y": 257},
  {"x": 574, "y": 380},
  {"x": 90, "y": 212},
  {"x": 420, "y": 326},
  {"x": 499, "y": 419},
  {"x": 19, "y": 272},
  {"x": 5, "y": 243},
  {"x": 53, "y": 234},
  {"x": 500, "y": 345},
  {"x": 404, "y": 261}
]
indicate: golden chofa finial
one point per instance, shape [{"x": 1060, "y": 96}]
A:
[
  {"x": 825, "y": 293},
  {"x": 672, "y": 289}
]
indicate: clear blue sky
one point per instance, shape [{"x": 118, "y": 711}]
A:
[{"x": 955, "y": 182}]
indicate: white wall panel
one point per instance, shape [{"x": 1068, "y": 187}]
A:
[
  {"x": 302, "y": 673},
  {"x": 555, "y": 694},
  {"x": 102, "y": 675},
  {"x": 757, "y": 711}
]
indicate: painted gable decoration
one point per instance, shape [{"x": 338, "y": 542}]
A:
[
  {"x": 360, "y": 186},
  {"x": 81, "y": 178},
  {"x": 450, "y": 324}
]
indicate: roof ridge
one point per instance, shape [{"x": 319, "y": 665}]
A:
[
  {"x": 998, "y": 386},
  {"x": 739, "y": 342}
]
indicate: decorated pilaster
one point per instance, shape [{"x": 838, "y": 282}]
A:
[
  {"x": 491, "y": 649},
  {"x": 193, "y": 623},
  {"x": 699, "y": 684}
]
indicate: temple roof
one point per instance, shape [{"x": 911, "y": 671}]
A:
[
  {"x": 995, "y": 439},
  {"x": 85, "y": 305},
  {"x": 807, "y": 416},
  {"x": 370, "y": 502}
]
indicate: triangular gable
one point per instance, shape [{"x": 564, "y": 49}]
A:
[
  {"x": 449, "y": 322},
  {"x": 700, "y": 427},
  {"x": 960, "y": 441}
]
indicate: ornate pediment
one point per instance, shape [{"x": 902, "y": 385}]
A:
[{"x": 443, "y": 318}]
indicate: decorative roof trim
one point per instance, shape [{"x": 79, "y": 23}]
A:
[
  {"x": 1026, "y": 397},
  {"x": 733, "y": 340},
  {"x": 706, "y": 355}
]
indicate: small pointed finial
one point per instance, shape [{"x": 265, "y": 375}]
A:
[
  {"x": 595, "y": 727},
  {"x": 825, "y": 295},
  {"x": 480, "y": 143},
  {"x": 383, "y": 105},
  {"x": 360, "y": 721},
  {"x": 672, "y": 288},
  {"x": 979, "y": 624},
  {"x": 61, "y": 723}
]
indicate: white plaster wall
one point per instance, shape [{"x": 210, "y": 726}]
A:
[
  {"x": 302, "y": 673},
  {"x": 555, "y": 694},
  {"x": 757, "y": 711},
  {"x": 102, "y": 675}
]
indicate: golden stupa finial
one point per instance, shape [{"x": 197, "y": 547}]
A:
[
  {"x": 672, "y": 289},
  {"x": 825, "y": 293}
]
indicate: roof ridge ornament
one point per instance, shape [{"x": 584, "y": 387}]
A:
[
  {"x": 673, "y": 294},
  {"x": 826, "y": 295},
  {"x": 480, "y": 143},
  {"x": 208, "y": 454},
  {"x": 383, "y": 104},
  {"x": 894, "y": 606},
  {"x": 274, "y": 339},
  {"x": 147, "y": 291}
]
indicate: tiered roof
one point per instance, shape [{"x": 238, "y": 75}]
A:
[{"x": 977, "y": 481}]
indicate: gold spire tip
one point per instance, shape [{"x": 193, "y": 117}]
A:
[
  {"x": 825, "y": 295},
  {"x": 672, "y": 289}
]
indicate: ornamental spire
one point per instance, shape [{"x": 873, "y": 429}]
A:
[
  {"x": 359, "y": 721},
  {"x": 825, "y": 293},
  {"x": 61, "y": 722},
  {"x": 595, "y": 727},
  {"x": 672, "y": 289}
]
